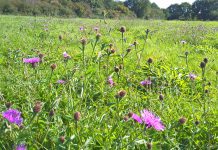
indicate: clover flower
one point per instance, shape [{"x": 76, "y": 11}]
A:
[{"x": 13, "y": 116}]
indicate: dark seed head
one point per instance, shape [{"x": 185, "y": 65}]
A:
[
  {"x": 161, "y": 97},
  {"x": 130, "y": 114},
  {"x": 123, "y": 29},
  {"x": 116, "y": 69},
  {"x": 83, "y": 41},
  {"x": 128, "y": 50},
  {"x": 51, "y": 113},
  {"x": 202, "y": 64},
  {"x": 8, "y": 104},
  {"x": 53, "y": 67},
  {"x": 182, "y": 120},
  {"x": 150, "y": 60},
  {"x": 126, "y": 118},
  {"x": 37, "y": 107},
  {"x": 205, "y": 60},
  {"x": 197, "y": 122},
  {"x": 62, "y": 139},
  {"x": 149, "y": 145},
  {"x": 98, "y": 36},
  {"x": 77, "y": 116}
]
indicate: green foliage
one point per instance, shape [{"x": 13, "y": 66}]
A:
[{"x": 86, "y": 89}]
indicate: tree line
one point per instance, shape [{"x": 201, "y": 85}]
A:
[{"x": 199, "y": 10}]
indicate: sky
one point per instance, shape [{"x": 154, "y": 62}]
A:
[{"x": 167, "y": 3}]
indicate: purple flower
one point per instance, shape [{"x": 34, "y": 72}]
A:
[
  {"x": 110, "y": 81},
  {"x": 192, "y": 76},
  {"x": 81, "y": 28},
  {"x": 149, "y": 119},
  {"x": 61, "y": 81},
  {"x": 146, "y": 82},
  {"x": 13, "y": 116},
  {"x": 21, "y": 147},
  {"x": 137, "y": 118},
  {"x": 31, "y": 60},
  {"x": 96, "y": 29},
  {"x": 66, "y": 55}
]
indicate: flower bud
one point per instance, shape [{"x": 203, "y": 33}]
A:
[
  {"x": 51, "y": 113},
  {"x": 150, "y": 60},
  {"x": 8, "y": 104},
  {"x": 121, "y": 94},
  {"x": 149, "y": 145},
  {"x": 123, "y": 29},
  {"x": 62, "y": 139},
  {"x": 125, "y": 118},
  {"x": 202, "y": 64},
  {"x": 37, "y": 107},
  {"x": 182, "y": 120},
  {"x": 98, "y": 36},
  {"x": 205, "y": 60},
  {"x": 161, "y": 97},
  {"x": 83, "y": 41},
  {"x": 116, "y": 69},
  {"x": 77, "y": 116},
  {"x": 53, "y": 67}
]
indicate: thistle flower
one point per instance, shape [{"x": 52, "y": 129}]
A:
[
  {"x": 31, "y": 60},
  {"x": 96, "y": 29},
  {"x": 61, "y": 81},
  {"x": 21, "y": 147},
  {"x": 13, "y": 116},
  {"x": 60, "y": 37},
  {"x": 146, "y": 82},
  {"x": 192, "y": 76},
  {"x": 149, "y": 119},
  {"x": 66, "y": 56},
  {"x": 110, "y": 81}
]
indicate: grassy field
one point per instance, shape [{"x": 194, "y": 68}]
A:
[{"x": 88, "y": 97}]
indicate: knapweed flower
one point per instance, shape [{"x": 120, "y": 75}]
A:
[
  {"x": 192, "y": 76},
  {"x": 146, "y": 82},
  {"x": 21, "y": 147},
  {"x": 110, "y": 81},
  {"x": 13, "y": 116},
  {"x": 67, "y": 56},
  {"x": 31, "y": 60},
  {"x": 149, "y": 119},
  {"x": 61, "y": 81}
]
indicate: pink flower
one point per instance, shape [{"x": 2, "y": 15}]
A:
[
  {"x": 67, "y": 56},
  {"x": 146, "y": 82},
  {"x": 81, "y": 28},
  {"x": 149, "y": 119},
  {"x": 110, "y": 81},
  {"x": 192, "y": 76},
  {"x": 31, "y": 60},
  {"x": 137, "y": 118},
  {"x": 61, "y": 81}
]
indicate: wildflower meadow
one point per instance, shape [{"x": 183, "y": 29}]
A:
[{"x": 108, "y": 84}]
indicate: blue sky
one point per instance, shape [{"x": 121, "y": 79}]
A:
[{"x": 167, "y": 3}]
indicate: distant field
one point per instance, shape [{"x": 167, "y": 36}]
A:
[{"x": 90, "y": 80}]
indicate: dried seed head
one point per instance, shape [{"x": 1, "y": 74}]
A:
[
  {"x": 202, "y": 64},
  {"x": 83, "y": 41},
  {"x": 128, "y": 50},
  {"x": 116, "y": 69},
  {"x": 8, "y": 104},
  {"x": 182, "y": 120},
  {"x": 41, "y": 55},
  {"x": 123, "y": 29},
  {"x": 130, "y": 114},
  {"x": 205, "y": 60},
  {"x": 62, "y": 139},
  {"x": 37, "y": 107},
  {"x": 121, "y": 66},
  {"x": 77, "y": 116},
  {"x": 149, "y": 145},
  {"x": 51, "y": 113},
  {"x": 110, "y": 45},
  {"x": 53, "y": 67},
  {"x": 150, "y": 60},
  {"x": 121, "y": 94},
  {"x": 60, "y": 37},
  {"x": 161, "y": 97},
  {"x": 98, "y": 36}
]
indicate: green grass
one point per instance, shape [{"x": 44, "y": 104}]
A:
[{"x": 86, "y": 91}]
